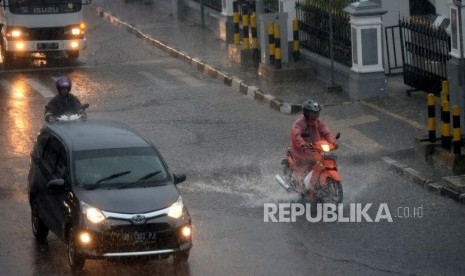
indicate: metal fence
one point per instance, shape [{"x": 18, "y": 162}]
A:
[
  {"x": 271, "y": 6},
  {"x": 214, "y": 4},
  {"x": 425, "y": 52},
  {"x": 313, "y": 17}
]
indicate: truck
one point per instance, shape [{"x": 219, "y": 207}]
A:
[{"x": 43, "y": 28}]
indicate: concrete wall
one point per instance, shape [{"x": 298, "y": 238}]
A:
[
  {"x": 442, "y": 7},
  {"x": 321, "y": 69},
  {"x": 190, "y": 10}
]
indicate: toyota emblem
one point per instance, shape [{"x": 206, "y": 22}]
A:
[{"x": 138, "y": 219}]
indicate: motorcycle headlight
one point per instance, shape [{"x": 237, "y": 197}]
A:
[
  {"x": 325, "y": 147},
  {"x": 176, "y": 209},
  {"x": 93, "y": 214}
]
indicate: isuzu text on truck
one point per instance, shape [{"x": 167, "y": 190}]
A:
[{"x": 49, "y": 28}]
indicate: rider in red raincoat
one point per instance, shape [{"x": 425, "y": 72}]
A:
[{"x": 306, "y": 130}]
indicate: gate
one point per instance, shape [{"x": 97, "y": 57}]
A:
[
  {"x": 393, "y": 49},
  {"x": 425, "y": 52}
]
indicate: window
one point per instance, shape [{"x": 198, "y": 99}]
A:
[
  {"x": 93, "y": 165},
  {"x": 41, "y": 142},
  {"x": 54, "y": 157}
]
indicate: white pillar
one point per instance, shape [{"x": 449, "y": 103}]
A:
[
  {"x": 455, "y": 28},
  {"x": 367, "y": 78},
  {"x": 227, "y": 7},
  {"x": 367, "y": 50},
  {"x": 288, "y": 6}
]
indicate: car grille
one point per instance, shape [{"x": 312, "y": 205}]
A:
[
  {"x": 46, "y": 34},
  {"x": 122, "y": 238}
]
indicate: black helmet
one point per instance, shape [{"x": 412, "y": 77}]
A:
[
  {"x": 63, "y": 85},
  {"x": 311, "y": 109}
]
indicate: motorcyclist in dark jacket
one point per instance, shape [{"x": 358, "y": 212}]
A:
[{"x": 64, "y": 102}]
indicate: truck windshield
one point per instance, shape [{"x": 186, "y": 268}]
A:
[{"x": 44, "y": 6}]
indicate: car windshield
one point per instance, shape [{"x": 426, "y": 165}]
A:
[{"x": 112, "y": 168}]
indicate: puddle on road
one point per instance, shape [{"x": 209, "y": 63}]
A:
[{"x": 254, "y": 183}]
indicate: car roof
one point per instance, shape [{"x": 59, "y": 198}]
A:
[{"x": 96, "y": 134}]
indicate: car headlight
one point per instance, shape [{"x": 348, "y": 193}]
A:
[
  {"x": 93, "y": 214},
  {"x": 176, "y": 209}
]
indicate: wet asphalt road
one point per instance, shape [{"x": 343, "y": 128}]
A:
[{"x": 230, "y": 147}]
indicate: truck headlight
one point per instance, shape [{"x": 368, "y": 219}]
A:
[
  {"x": 93, "y": 214},
  {"x": 75, "y": 31},
  {"x": 16, "y": 33},
  {"x": 176, "y": 210},
  {"x": 20, "y": 45}
]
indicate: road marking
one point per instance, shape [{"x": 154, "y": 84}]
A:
[
  {"x": 43, "y": 90},
  {"x": 396, "y": 116},
  {"x": 187, "y": 79},
  {"x": 349, "y": 133}
]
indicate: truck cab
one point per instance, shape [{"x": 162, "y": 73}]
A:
[{"x": 47, "y": 27}]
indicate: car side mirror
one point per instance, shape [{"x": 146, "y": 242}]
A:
[
  {"x": 338, "y": 135},
  {"x": 179, "y": 178},
  {"x": 56, "y": 184}
]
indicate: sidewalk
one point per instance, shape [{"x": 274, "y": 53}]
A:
[{"x": 201, "y": 49}]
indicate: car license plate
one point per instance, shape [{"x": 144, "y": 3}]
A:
[
  {"x": 145, "y": 236},
  {"x": 47, "y": 46}
]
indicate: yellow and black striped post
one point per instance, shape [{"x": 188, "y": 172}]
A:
[
  {"x": 445, "y": 88},
  {"x": 446, "y": 139},
  {"x": 237, "y": 35},
  {"x": 295, "y": 42},
  {"x": 253, "y": 26},
  {"x": 442, "y": 98},
  {"x": 431, "y": 118},
  {"x": 277, "y": 46},
  {"x": 271, "y": 42},
  {"x": 457, "y": 136},
  {"x": 245, "y": 28}
]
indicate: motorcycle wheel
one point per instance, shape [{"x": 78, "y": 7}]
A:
[{"x": 335, "y": 191}]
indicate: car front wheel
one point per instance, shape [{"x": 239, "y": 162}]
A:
[
  {"x": 76, "y": 260},
  {"x": 39, "y": 229}
]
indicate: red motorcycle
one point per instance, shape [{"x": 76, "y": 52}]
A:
[{"x": 323, "y": 183}]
